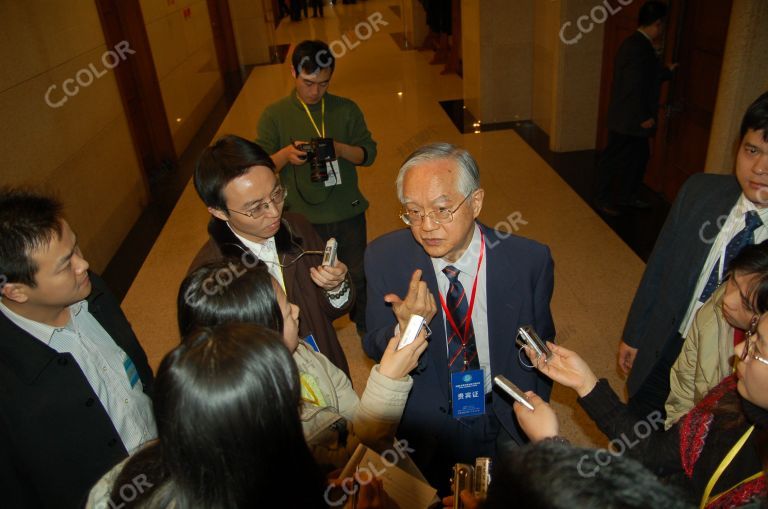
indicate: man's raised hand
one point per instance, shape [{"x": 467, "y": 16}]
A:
[{"x": 418, "y": 301}]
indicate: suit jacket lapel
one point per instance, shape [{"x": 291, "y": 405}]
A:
[
  {"x": 503, "y": 305},
  {"x": 438, "y": 357},
  {"x": 714, "y": 211}
]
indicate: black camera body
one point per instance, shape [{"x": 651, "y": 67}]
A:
[{"x": 319, "y": 152}]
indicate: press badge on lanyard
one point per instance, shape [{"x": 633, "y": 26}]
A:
[
  {"x": 467, "y": 387},
  {"x": 332, "y": 167},
  {"x": 468, "y": 393},
  {"x": 334, "y": 173}
]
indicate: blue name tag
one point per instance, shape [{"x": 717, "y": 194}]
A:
[
  {"x": 311, "y": 340},
  {"x": 468, "y": 393},
  {"x": 130, "y": 370}
]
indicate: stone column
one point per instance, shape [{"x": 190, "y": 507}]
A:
[{"x": 497, "y": 44}]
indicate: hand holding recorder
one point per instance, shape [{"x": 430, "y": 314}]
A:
[
  {"x": 565, "y": 367},
  {"x": 331, "y": 273},
  {"x": 534, "y": 415},
  {"x": 403, "y": 351}
]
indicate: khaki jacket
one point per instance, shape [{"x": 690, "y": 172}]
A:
[
  {"x": 335, "y": 420},
  {"x": 706, "y": 358}
]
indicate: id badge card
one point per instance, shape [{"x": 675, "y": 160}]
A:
[
  {"x": 468, "y": 393},
  {"x": 334, "y": 173},
  {"x": 311, "y": 340}
]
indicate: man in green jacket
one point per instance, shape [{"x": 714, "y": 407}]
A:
[{"x": 334, "y": 205}]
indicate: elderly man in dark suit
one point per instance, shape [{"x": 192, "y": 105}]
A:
[
  {"x": 74, "y": 382},
  {"x": 637, "y": 78},
  {"x": 488, "y": 284},
  {"x": 712, "y": 219}
]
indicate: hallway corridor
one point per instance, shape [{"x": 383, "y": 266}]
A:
[{"x": 400, "y": 93}]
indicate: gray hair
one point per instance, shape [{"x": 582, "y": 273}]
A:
[{"x": 469, "y": 174}]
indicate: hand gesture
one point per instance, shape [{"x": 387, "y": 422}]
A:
[
  {"x": 395, "y": 364},
  {"x": 328, "y": 278},
  {"x": 648, "y": 124},
  {"x": 627, "y": 356},
  {"x": 566, "y": 368},
  {"x": 539, "y": 423},
  {"x": 419, "y": 301}
]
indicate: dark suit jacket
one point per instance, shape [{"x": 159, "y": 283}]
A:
[
  {"x": 56, "y": 439},
  {"x": 673, "y": 269},
  {"x": 637, "y": 78},
  {"x": 317, "y": 312},
  {"x": 520, "y": 280}
]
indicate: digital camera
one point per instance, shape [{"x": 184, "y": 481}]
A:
[{"x": 319, "y": 152}]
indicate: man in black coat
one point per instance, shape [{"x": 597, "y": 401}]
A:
[
  {"x": 637, "y": 78},
  {"x": 711, "y": 220},
  {"x": 74, "y": 381}
]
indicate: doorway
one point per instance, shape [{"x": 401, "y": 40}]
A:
[{"x": 695, "y": 37}]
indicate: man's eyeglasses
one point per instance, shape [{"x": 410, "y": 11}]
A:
[
  {"x": 276, "y": 198},
  {"x": 440, "y": 216},
  {"x": 750, "y": 350}
]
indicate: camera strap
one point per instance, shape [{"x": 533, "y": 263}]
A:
[{"x": 309, "y": 114}]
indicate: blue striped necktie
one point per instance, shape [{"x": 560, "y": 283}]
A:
[
  {"x": 461, "y": 357},
  {"x": 742, "y": 239}
]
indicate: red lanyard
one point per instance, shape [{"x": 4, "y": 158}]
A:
[{"x": 471, "y": 300}]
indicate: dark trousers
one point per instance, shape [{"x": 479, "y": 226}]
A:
[
  {"x": 317, "y": 5},
  {"x": 284, "y": 10},
  {"x": 655, "y": 389},
  {"x": 623, "y": 163},
  {"x": 352, "y": 238},
  {"x": 296, "y": 7}
]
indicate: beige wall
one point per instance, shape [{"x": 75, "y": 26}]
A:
[
  {"x": 744, "y": 76},
  {"x": 185, "y": 61},
  {"x": 566, "y": 77},
  {"x": 252, "y": 22},
  {"x": 81, "y": 149},
  {"x": 497, "y": 52},
  {"x": 414, "y": 22},
  {"x": 517, "y": 68}
]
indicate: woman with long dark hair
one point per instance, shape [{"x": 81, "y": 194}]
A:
[
  {"x": 229, "y": 434},
  {"x": 334, "y": 418}
]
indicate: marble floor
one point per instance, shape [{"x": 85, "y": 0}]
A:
[{"x": 400, "y": 93}]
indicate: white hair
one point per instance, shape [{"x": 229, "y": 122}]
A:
[{"x": 469, "y": 175}]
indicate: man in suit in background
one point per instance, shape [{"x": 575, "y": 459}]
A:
[
  {"x": 75, "y": 383},
  {"x": 488, "y": 284},
  {"x": 711, "y": 220},
  {"x": 637, "y": 78}
]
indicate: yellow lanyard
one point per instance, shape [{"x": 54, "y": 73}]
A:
[
  {"x": 723, "y": 465},
  {"x": 322, "y": 115},
  {"x": 309, "y": 393}
]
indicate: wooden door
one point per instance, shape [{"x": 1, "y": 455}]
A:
[
  {"x": 695, "y": 38},
  {"x": 121, "y": 20}
]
